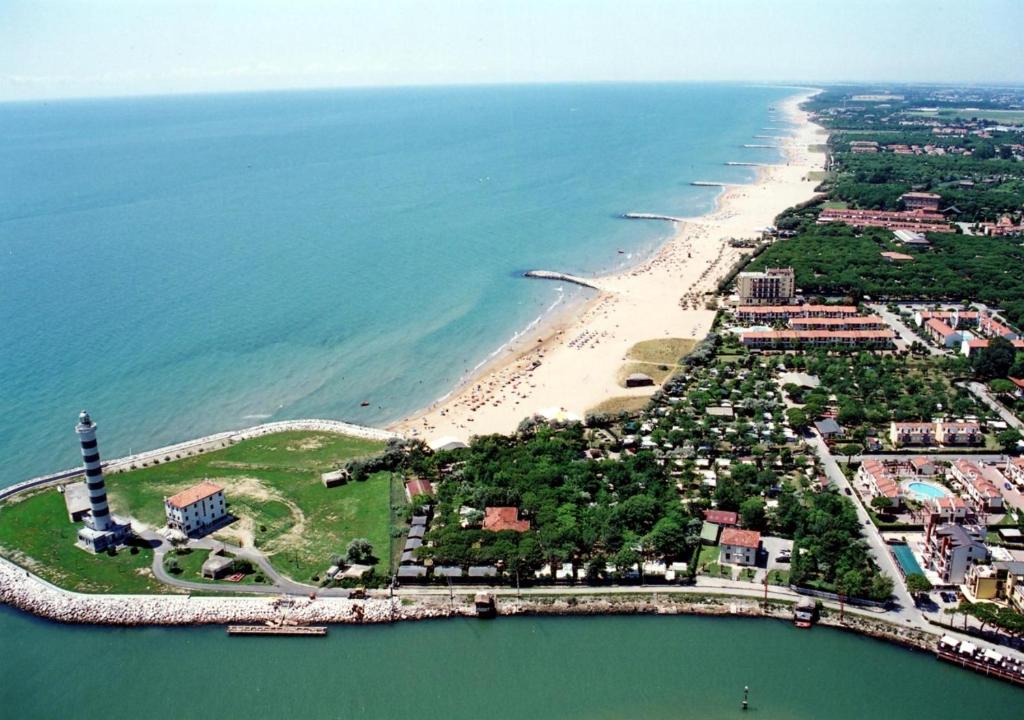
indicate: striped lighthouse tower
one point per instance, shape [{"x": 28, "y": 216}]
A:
[{"x": 99, "y": 517}]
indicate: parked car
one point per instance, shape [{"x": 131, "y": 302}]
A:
[
  {"x": 1007, "y": 486},
  {"x": 847, "y": 491}
]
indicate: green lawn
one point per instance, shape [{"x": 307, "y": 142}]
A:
[
  {"x": 272, "y": 485},
  {"x": 36, "y": 534},
  {"x": 190, "y": 565},
  {"x": 778, "y": 577}
]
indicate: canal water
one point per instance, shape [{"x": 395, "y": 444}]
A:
[{"x": 593, "y": 668}]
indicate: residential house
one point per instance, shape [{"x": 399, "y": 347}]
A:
[
  {"x": 739, "y": 547},
  {"x": 196, "y": 510},
  {"x": 881, "y": 481},
  {"x": 978, "y": 484},
  {"x": 497, "y": 519}
]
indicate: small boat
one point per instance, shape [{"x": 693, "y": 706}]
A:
[
  {"x": 364, "y": 403},
  {"x": 622, "y": 252}
]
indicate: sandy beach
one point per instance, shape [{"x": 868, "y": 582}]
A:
[{"x": 573, "y": 366}]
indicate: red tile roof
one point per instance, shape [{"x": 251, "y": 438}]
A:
[
  {"x": 504, "y": 518},
  {"x": 194, "y": 494},
  {"x": 721, "y": 517},
  {"x": 419, "y": 486},
  {"x": 741, "y": 538}
]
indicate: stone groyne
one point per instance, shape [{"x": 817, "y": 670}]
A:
[
  {"x": 204, "y": 444},
  {"x": 564, "y": 277}
]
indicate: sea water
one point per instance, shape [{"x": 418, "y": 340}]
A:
[
  {"x": 583, "y": 668},
  {"x": 187, "y": 265}
]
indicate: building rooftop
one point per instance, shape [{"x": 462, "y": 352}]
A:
[
  {"x": 741, "y": 538},
  {"x": 497, "y": 519},
  {"x": 721, "y": 517},
  {"x": 194, "y": 494}
]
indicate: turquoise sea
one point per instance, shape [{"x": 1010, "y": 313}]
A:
[{"x": 185, "y": 265}]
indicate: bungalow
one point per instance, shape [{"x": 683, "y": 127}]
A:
[
  {"x": 921, "y": 465},
  {"x": 897, "y": 257},
  {"x": 497, "y": 519},
  {"x": 418, "y": 486},
  {"x": 739, "y": 547},
  {"x": 725, "y": 518},
  {"x": 335, "y": 477},
  {"x": 829, "y": 429}
]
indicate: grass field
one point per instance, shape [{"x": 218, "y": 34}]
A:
[
  {"x": 1008, "y": 117},
  {"x": 655, "y": 358},
  {"x": 613, "y": 406},
  {"x": 272, "y": 485},
  {"x": 36, "y": 534}
]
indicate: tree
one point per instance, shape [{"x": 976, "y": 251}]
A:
[
  {"x": 918, "y": 583},
  {"x": 1002, "y": 386},
  {"x": 797, "y": 418},
  {"x": 359, "y": 551},
  {"x": 995, "y": 360},
  {"x": 881, "y": 503},
  {"x": 752, "y": 513},
  {"x": 1008, "y": 439},
  {"x": 849, "y": 450}
]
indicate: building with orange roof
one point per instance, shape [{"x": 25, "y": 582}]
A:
[
  {"x": 897, "y": 257},
  {"x": 196, "y": 510},
  {"x": 739, "y": 547},
  {"x": 497, "y": 519}
]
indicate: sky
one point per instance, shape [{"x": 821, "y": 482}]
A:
[{"x": 89, "y": 48}]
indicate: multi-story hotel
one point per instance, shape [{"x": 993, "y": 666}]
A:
[{"x": 774, "y": 286}]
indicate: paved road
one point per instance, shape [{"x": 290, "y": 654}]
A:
[
  {"x": 902, "y": 330},
  {"x": 278, "y": 582},
  {"x": 981, "y": 392},
  {"x": 879, "y": 550}
]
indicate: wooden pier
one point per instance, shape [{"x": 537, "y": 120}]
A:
[{"x": 304, "y": 630}]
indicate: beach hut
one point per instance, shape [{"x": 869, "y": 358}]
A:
[{"x": 639, "y": 380}]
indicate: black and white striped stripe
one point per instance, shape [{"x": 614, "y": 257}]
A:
[{"x": 86, "y": 430}]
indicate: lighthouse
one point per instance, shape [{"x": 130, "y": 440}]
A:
[
  {"x": 102, "y": 531},
  {"x": 99, "y": 512}
]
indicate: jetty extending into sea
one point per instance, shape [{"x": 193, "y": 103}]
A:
[{"x": 565, "y": 277}]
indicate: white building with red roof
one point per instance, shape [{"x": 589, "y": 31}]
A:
[
  {"x": 196, "y": 510},
  {"x": 978, "y": 483},
  {"x": 881, "y": 481},
  {"x": 739, "y": 547}
]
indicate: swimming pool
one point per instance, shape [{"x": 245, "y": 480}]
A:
[
  {"x": 925, "y": 491},
  {"x": 908, "y": 563}
]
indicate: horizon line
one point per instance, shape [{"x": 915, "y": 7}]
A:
[{"x": 511, "y": 83}]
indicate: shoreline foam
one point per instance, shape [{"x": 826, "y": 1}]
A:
[{"x": 569, "y": 363}]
